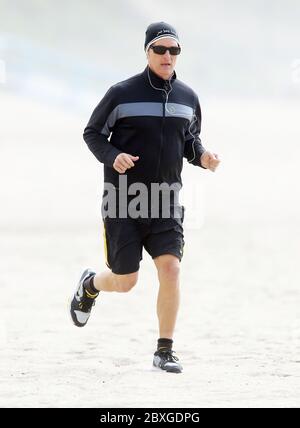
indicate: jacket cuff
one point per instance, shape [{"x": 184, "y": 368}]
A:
[
  {"x": 112, "y": 156},
  {"x": 200, "y": 160},
  {"x": 199, "y": 152}
]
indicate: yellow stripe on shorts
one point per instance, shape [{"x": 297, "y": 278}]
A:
[{"x": 105, "y": 243}]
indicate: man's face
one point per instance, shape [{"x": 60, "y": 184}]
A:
[{"x": 162, "y": 65}]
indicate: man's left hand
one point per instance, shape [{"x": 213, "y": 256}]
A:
[{"x": 210, "y": 160}]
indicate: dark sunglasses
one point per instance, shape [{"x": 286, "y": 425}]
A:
[{"x": 161, "y": 50}]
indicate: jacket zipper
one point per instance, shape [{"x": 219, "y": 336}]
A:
[{"x": 162, "y": 134}]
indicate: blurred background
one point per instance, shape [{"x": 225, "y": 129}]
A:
[{"x": 57, "y": 59}]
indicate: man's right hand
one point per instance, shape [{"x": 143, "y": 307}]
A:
[{"x": 124, "y": 161}]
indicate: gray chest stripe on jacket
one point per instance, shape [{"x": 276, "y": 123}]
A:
[{"x": 146, "y": 109}]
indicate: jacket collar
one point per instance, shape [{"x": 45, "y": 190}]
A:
[{"x": 157, "y": 81}]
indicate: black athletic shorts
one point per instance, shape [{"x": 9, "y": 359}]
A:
[{"x": 124, "y": 239}]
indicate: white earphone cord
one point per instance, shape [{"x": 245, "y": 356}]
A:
[{"x": 194, "y": 117}]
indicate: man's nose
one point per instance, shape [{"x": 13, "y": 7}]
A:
[{"x": 167, "y": 55}]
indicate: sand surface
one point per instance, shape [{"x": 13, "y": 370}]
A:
[{"x": 239, "y": 325}]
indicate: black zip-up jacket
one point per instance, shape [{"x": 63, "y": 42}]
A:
[{"x": 158, "y": 120}]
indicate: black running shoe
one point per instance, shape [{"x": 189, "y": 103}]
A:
[
  {"x": 165, "y": 360},
  {"x": 82, "y": 303}
]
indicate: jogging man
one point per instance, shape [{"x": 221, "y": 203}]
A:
[{"x": 141, "y": 131}]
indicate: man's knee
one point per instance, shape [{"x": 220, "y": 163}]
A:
[
  {"x": 168, "y": 266},
  {"x": 125, "y": 283}
]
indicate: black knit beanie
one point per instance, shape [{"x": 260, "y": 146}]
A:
[{"x": 159, "y": 30}]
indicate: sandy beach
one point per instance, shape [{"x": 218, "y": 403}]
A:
[{"x": 239, "y": 325}]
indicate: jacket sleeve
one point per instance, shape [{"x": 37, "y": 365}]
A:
[
  {"x": 193, "y": 148},
  {"x": 97, "y": 132}
]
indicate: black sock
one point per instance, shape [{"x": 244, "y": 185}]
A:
[
  {"x": 89, "y": 286},
  {"x": 164, "y": 344}
]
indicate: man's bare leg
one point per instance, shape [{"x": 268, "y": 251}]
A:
[
  {"x": 168, "y": 269},
  {"x": 109, "y": 281},
  {"x": 167, "y": 308}
]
